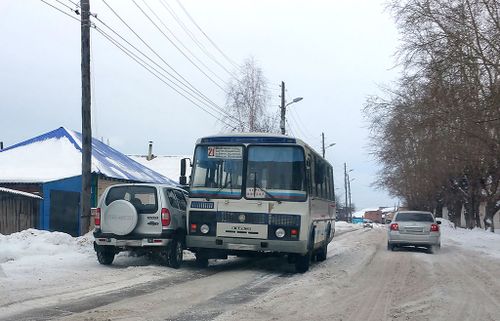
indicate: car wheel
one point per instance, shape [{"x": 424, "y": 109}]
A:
[
  {"x": 175, "y": 253},
  {"x": 105, "y": 255},
  {"x": 201, "y": 260},
  {"x": 430, "y": 249}
]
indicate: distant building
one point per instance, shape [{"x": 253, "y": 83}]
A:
[
  {"x": 374, "y": 216},
  {"x": 49, "y": 165}
]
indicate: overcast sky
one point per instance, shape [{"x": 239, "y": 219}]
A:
[{"x": 332, "y": 53}]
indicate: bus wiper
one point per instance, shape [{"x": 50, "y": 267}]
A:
[
  {"x": 255, "y": 186},
  {"x": 221, "y": 188}
]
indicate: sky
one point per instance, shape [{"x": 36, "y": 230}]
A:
[{"x": 332, "y": 53}]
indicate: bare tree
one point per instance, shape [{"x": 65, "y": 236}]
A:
[
  {"x": 247, "y": 100},
  {"x": 437, "y": 133}
]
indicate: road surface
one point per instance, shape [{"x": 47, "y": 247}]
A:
[{"x": 360, "y": 281}]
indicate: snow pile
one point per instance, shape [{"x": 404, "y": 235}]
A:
[
  {"x": 38, "y": 246},
  {"x": 476, "y": 239}
]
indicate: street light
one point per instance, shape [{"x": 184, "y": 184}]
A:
[
  {"x": 283, "y": 107},
  {"x": 295, "y": 100}
]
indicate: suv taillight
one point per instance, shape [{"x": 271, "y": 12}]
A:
[
  {"x": 434, "y": 228},
  {"x": 165, "y": 217},
  {"x": 97, "y": 217},
  {"x": 394, "y": 227}
]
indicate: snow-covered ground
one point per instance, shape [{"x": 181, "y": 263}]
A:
[
  {"x": 477, "y": 239},
  {"x": 40, "y": 268}
]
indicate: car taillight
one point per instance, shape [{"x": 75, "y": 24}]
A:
[
  {"x": 97, "y": 218},
  {"x": 165, "y": 217},
  {"x": 394, "y": 227},
  {"x": 434, "y": 228}
]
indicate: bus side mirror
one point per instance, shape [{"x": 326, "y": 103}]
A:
[{"x": 182, "y": 177}]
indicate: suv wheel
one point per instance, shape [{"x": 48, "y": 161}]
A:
[
  {"x": 105, "y": 255},
  {"x": 175, "y": 253}
]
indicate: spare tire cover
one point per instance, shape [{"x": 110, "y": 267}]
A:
[{"x": 120, "y": 218}]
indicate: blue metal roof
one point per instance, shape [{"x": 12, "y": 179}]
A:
[{"x": 105, "y": 159}]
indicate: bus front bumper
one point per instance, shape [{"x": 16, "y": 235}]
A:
[{"x": 244, "y": 244}]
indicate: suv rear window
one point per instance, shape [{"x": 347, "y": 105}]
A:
[
  {"x": 414, "y": 217},
  {"x": 144, "y": 198}
]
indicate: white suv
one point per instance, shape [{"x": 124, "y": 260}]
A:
[{"x": 145, "y": 218}]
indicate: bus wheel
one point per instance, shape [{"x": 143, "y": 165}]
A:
[
  {"x": 201, "y": 260},
  {"x": 303, "y": 262},
  {"x": 323, "y": 250}
]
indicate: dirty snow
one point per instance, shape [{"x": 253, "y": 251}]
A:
[{"x": 38, "y": 268}]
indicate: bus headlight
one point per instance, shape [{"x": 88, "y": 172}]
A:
[
  {"x": 280, "y": 233},
  {"x": 204, "y": 229}
]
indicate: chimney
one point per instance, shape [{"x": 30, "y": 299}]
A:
[{"x": 150, "y": 151}]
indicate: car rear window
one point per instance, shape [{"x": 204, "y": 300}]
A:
[
  {"x": 144, "y": 198},
  {"x": 414, "y": 217}
]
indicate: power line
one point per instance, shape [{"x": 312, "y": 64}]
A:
[
  {"x": 177, "y": 47},
  {"x": 150, "y": 69},
  {"x": 203, "y": 32},
  {"x": 194, "y": 39},
  {"x": 187, "y": 89},
  {"x": 60, "y": 10},
  {"x": 184, "y": 80},
  {"x": 182, "y": 43},
  {"x": 137, "y": 60}
]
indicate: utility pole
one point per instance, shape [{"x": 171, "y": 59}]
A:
[
  {"x": 323, "y": 143},
  {"x": 350, "y": 203},
  {"x": 346, "y": 195},
  {"x": 86, "y": 119},
  {"x": 283, "y": 110}
]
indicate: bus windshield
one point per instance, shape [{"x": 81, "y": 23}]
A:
[
  {"x": 275, "y": 172},
  {"x": 217, "y": 172}
]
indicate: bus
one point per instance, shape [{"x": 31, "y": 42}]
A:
[{"x": 259, "y": 193}]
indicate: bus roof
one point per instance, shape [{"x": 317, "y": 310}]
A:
[{"x": 249, "y": 138}]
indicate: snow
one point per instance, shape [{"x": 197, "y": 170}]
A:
[
  {"x": 476, "y": 240},
  {"x": 42, "y": 161},
  {"x": 168, "y": 166},
  {"x": 57, "y": 154},
  {"x": 38, "y": 266},
  {"x": 14, "y": 191}
]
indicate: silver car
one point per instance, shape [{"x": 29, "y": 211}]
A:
[
  {"x": 143, "y": 218},
  {"x": 414, "y": 228}
]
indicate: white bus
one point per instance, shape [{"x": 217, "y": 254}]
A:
[{"x": 259, "y": 193}]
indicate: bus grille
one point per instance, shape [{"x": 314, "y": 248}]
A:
[
  {"x": 284, "y": 220},
  {"x": 240, "y": 217}
]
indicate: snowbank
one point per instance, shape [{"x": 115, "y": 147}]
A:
[
  {"x": 476, "y": 239},
  {"x": 35, "y": 246}
]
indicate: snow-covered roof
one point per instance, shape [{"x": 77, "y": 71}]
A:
[
  {"x": 57, "y": 154},
  {"x": 16, "y": 192},
  {"x": 168, "y": 166}
]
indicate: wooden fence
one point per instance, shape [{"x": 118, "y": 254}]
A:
[{"x": 18, "y": 213}]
